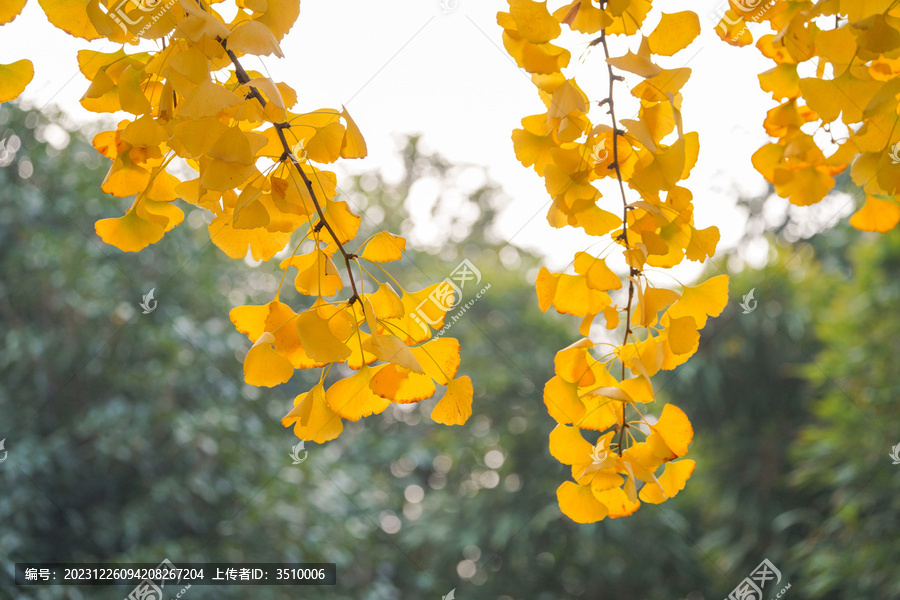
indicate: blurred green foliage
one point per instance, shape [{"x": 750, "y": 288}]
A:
[{"x": 132, "y": 437}]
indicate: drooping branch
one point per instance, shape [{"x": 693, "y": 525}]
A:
[
  {"x": 244, "y": 79},
  {"x": 610, "y": 100}
]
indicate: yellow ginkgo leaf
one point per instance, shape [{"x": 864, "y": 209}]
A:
[
  {"x": 683, "y": 335},
  {"x": 668, "y": 166},
  {"x": 643, "y": 460},
  {"x": 600, "y": 412},
  {"x": 670, "y": 483},
  {"x": 593, "y": 219},
  {"x": 312, "y": 418},
  {"x": 233, "y": 242},
  {"x": 455, "y": 407},
  {"x": 144, "y": 132},
  {"x": 14, "y": 78},
  {"x": 318, "y": 340},
  {"x": 583, "y": 16},
  {"x": 596, "y": 273},
  {"x": 568, "y": 446},
  {"x": 579, "y": 504},
  {"x": 253, "y": 37},
  {"x": 391, "y": 349},
  {"x": 202, "y": 24},
  {"x": 278, "y": 15},
  {"x": 640, "y": 64},
  {"x": 317, "y": 275},
  {"x": 675, "y": 32},
  {"x": 782, "y": 81},
  {"x": 10, "y": 9},
  {"x": 535, "y": 58},
  {"x": 129, "y": 232},
  {"x": 71, "y": 16},
  {"x": 658, "y": 88},
  {"x": 131, "y": 92},
  {"x": 401, "y": 385},
  {"x": 277, "y": 318},
  {"x": 546, "y": 285},
  {"x": 574, "y": 297},
  {"x": 562, "y": 402},
  {"x": 651, "y": 302},
  {"x": 703, "y": 243},
  {"x": 386, "y": 303},
  {"x": 439, "y": 358},
  {"x": 616, "y": 502},
  {"x": 125, "y": 177},
  {"x": 207, "y": 100},
  {"x": 352, "y": 399},
  {"x": 533, "y": 21},
  {"x": 602, "y": 481},
  {"x": 674, "y": 429},
  {"x": 611, "y": 314},
  {"x": 354, "y": 144},
  {"x": 223, "y": 176},
  {"x": 384, "y": 247},
  {"x": 877, "y": 214},
  {"x": 263, "y": 366},
  {"x": 194, "y": 138},
  {"x": 251, "y": 319},
  {"x": 733, "y": 29},
  {"x": 344, "y": 222},
  {"x": 628, "y": 16},
  {"x": 701, "y": 301},
  {"x": 573, "y": 363}
]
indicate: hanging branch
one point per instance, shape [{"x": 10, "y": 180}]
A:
[
  {"x": 624, "y": 235},
  {"x": 244, "y": 79}
]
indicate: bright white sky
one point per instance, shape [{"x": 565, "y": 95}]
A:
[{"x": 407, "y": 67}]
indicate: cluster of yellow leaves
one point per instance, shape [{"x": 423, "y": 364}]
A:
[
  {"x": 14, "y": 76},
  {"x": 651, "y": 155},
  {"x": 853, "y": 48},
  {"x": 255, "y": 164}
]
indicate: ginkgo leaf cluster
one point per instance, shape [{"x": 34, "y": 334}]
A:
[
  {"x": 580, "y": 152},
  {"x": 203, "y": 130},
  {"x": 835, "y": 77}
]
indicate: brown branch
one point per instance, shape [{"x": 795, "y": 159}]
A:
[
  {"x": 624, "y": 235},
  {"x": 244, "y": 79}
]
